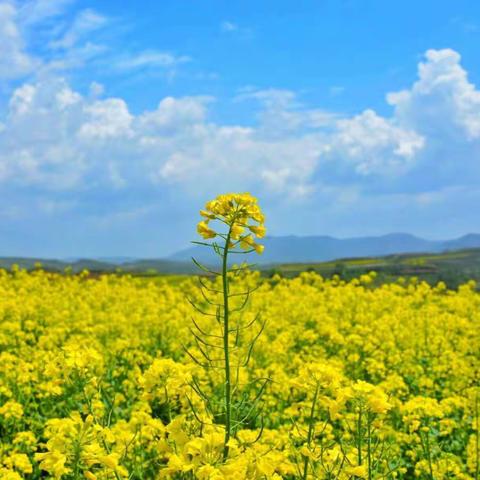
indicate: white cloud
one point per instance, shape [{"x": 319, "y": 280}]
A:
[
  {"x": 21, "y": 100},
  {"x": 150, "y": 58},
  {"x": 71, "y": 44},
  {"x": 68, "y": 44},
  {"x": 105, "y": 119},
  {"x": 230, "y": 28},
  {"x": 74, "y": 58},
  {"x": 38, "y": 143},
  {"x": 15, "y": 62},
  {"x": 270, "y": 98},
  {"x": 227, "y": 26},
  {"x": 283, "y": 114},
  {"x": 96, "y": 89},
  {"x": 36, "y": 11},
  {"x": 84, "y": 23},
  {"x": 56, "y": 138},
  {"x": 174, "y": 113},
  {"x": 442, "y": 101},
  {"x": 375, "y": 145}
]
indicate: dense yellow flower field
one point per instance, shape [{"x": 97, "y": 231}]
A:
[{"x": 98, "y": 379}]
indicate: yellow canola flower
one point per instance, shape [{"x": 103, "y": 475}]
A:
[
  {"x": 7, "y": 474},
  {"x": 26, "y": 439},
  {"x": 236, "y": 231},
  {"x": 378, "y": 402},
  {"x": 359, "y": 471},
  {"x": 205, "y": 231},
  {"x": 11, "y": 410},
  {"x": 73, "y": 442},
  {"x": 209, "y": 472},
  {"x": 236, "y": 211},
  {"x": 369, "y": 396},
  {"x": 247, "y": 242},
  {"x": 54, "y": 463},
  {"x": 19, "y": 461},
  {"x": 259, "y": 248},
  {"x": 258, "y": 230}
]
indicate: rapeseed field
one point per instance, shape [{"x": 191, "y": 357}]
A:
[{"x": 229, "y": 375}]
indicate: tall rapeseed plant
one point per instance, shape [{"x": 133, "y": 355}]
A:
[{"x": 231, "y": 224}]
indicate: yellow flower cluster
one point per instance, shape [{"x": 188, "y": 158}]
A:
[
  {"x": 96, "y": 380},
  {"x": 236, "y": 211},
  {"x": 77, "y": 445}
]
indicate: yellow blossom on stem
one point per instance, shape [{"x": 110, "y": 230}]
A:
[{"x": 236, "y": 211}]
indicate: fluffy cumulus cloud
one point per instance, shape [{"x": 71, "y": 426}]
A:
[
  {"x": 442, "y": 100},
  {"x": 376, "y": 145},
  {"x": 57, "y": 138},
  {"x": 443, "y": 107}
]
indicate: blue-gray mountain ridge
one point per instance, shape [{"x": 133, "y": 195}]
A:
[{"x": 294, "y": 249}]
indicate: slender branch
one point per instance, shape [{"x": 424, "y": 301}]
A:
[
  {"x": 203, "y": 332},
  {"x": 198, "y": 309},
  {"x": 201, "y": 280},
  {"x": 204, "y": 268},
  {"x": 201, "y": 340},
  {"x": 311, "y": 424}
]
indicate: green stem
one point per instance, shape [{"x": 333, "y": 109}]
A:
[
  {"x": 226, "y": 327},
  {"x": 76, "y": 461},
  {"x": 429, "y": 454},
  {"x": 477, "y": 440},
  {"x": 310, "y": 431},
  {"x": 359, "y": 436},
  {"x": 369, "y": 446}
]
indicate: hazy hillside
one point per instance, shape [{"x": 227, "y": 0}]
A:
[
  {"x": 453, "y": 267},
  {"x": 278, "y": 250},
  {"x": 149, "y": 266},
  {"x": 292, "y": 249}
]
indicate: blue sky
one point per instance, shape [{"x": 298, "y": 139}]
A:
[{"x": 345, "y": 118}]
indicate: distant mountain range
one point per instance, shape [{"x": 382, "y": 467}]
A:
[
  {"x": 278, "y": 250},
  {"x": 293, "y": 249}
]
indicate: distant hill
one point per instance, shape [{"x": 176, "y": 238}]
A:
[
  {"x": 278, "y": 250},
  {"x": 148, "y": 266},
  {"x": 453, "y": 267},
  {"x": 470, "y": 240},
  {"x": 293, "y": 249}
]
